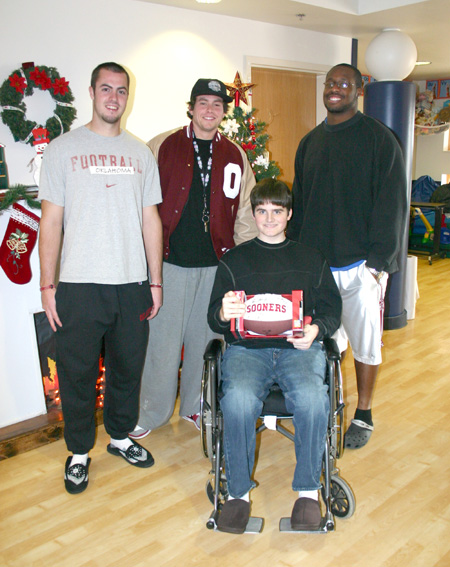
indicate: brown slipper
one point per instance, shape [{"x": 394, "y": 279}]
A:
[
  {"x": 234, "y": 516},
  {"x": 306, "y": 515}
]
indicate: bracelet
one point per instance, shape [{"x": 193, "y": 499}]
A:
[
  {"x": 51, "y": 286},
  {"x": 156, "y": 284}
]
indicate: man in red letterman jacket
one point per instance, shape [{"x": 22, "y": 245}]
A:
[{"x": 206, "y": 181}]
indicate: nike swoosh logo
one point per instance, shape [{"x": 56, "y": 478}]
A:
[{"x": 108, "y": 186}]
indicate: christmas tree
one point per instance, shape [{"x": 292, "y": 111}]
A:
[{"x": 243, "y": 128}]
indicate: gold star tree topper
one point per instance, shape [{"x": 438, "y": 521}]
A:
[{"x": 238, "y": 89}]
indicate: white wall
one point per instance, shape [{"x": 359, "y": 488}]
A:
[
  {"x": 430, "y": 157},
  {"x": 167, "y": 50}
]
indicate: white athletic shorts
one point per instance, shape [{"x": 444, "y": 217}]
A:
[{"x": 362, "y": 313}]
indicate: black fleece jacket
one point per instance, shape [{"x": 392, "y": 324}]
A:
[
  {"x": 350, "y": 194},
  {"x": 257, "y": 267}
]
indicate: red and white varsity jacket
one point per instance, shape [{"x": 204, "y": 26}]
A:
[{"x": 232, "y": 180}]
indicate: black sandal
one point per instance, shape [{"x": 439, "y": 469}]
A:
[
  {"x": 136, "y": 455},
  {"x": 76, "y": 476}
]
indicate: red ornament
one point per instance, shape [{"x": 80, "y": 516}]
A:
[
  {"x": 18, "y": 83},
  {"x": 238, "y": 89}
]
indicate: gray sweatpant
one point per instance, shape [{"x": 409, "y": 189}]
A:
[{"x": 182, "y": 320}]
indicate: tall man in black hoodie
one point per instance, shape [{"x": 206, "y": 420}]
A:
[{"x": 350, "y": 202}]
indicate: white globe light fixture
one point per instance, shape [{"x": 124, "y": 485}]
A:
[{"x": 391, "y": 55}]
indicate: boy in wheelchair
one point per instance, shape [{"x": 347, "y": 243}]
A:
[{"x": 272, "y": 264}]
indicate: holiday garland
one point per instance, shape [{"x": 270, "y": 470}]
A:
[
  {"x": 21, "y": 84},
  {"x": 18, "y": 193}
]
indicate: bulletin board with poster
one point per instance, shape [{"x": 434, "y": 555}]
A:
[{"x": 439, "y": 87}]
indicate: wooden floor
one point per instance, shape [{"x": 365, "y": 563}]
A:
[{"x": 130, "y": 517}]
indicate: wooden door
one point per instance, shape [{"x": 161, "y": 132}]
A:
[{"x": 286, "y": 102}]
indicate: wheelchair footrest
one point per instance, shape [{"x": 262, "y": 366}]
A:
[
  {"x": 254, "y": 526},
  {"x": 285, "y": 526}
]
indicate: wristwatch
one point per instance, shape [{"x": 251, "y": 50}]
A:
[{"x": 376, "y": 274}]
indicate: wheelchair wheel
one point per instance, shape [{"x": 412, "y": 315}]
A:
[
  {"x": 337, "y": 434},
  {"x": 206, "y": 419},
  {"x": 342, "y": 498},
  {"x": 337, "y": 429}
]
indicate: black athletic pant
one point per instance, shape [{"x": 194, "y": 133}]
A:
[{"x": 90, "y": 313}]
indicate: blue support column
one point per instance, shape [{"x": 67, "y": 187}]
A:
[{"x": 393, "y": 103}]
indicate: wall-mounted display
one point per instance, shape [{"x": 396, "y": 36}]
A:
[{"x": 439, "y": 87}]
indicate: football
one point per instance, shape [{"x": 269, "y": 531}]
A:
[{"x": 268, "y": 314}]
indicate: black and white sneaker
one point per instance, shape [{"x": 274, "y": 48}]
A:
[
  {"x": 136, "y": 455},
  {"x": 139, "y": 433},
  {"x": 76, "y": 476}
]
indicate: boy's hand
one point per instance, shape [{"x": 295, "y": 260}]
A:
[
  {"x": 303, "y": 343},
  {"x": 232, "y": 307}
]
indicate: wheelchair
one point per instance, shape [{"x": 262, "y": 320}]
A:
[{"x": 336, "y": 493}]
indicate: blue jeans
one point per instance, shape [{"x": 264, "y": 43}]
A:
[{"x": 247, "y": 375}]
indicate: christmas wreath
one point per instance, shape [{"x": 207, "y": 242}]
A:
[{"x": 20, "y": 84}]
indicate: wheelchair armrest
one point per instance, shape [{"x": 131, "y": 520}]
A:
[
  {"x": 331, "y": 349},
  {"x": 213, "y": 350}
]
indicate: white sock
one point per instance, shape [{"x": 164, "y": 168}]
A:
[
  {"x": 313, "y": 494},
  {"x": 79, "y": 459},
  {"x": 246, "y": 497},
  {"x": 122, "y": 444}
]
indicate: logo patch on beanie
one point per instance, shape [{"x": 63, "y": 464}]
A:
[{"x": 214, "y": 86}]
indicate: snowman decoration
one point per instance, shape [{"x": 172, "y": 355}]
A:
[{"x": 40, "y": 142}]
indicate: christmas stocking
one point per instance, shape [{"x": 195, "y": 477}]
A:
[{"x": 18, "y": 243}]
